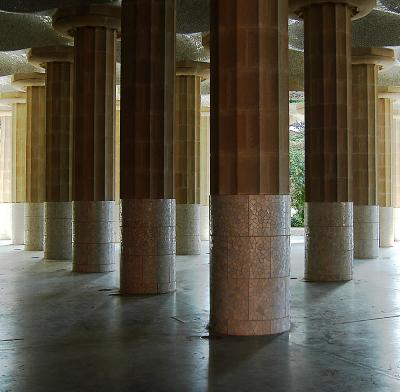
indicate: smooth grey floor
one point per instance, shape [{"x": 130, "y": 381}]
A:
[{"x": 63, "y": 331}]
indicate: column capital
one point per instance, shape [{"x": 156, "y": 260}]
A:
[
  {"x": 40, "y": 56},
  {"x": 9, "y": 98},
  {"x": 22, "y": 80},
  {"x": 360, "y": 8},
  {"x": 383, "y": 57},
  {"x": 389, "y": 92},
  {"x": 193, "y": 68},
  {"x": 67, "y": 20}
]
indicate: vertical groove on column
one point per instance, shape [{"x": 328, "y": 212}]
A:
[
  {"x": 58, "y": 208},
  {"x": 250, "y": 206},
  {"x": 94, "y": 219},
  {"x": 35, "y": 167},
  {"x": 19, "y": 117},
  {"x": 329, "y": 140},
  {"x": 396, "y": 171},
  {"x": 204, "y": 176},
  {"x": 187, "y": 164},
  {"x": 365, "y": 190},
  {"x": 147, "y": 125},
  {"x": 385, "y": 194}
]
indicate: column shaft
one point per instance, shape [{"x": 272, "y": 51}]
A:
[
  {"x": 93, "y": 184},
  {"x": 204, "y": 175},
  {"x": 385, "y": 195},
  {"x": 250, "y": 205},
  {"x": 58, "y": 208},
  {"x": 147, "y": 124},
  {"x": 6, "y": 138},
  {"x": 35, "y": 167},
  {"x": 329, "y": 140},
  {"x": 366, "y": 211},
  {"x": 396, "y": 171},
  {"x": 187, "y": 164}
]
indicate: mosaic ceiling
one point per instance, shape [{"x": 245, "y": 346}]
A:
[{"x": 27, "y": 23}]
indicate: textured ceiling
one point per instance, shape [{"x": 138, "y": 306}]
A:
[
  {"x": 379, "y": 28},
  {"x": 192, "y": 16},
  {"x": 22, "y": 31}
]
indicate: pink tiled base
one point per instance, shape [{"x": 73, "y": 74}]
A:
[
  {"x": 250, "y": 264},
  {"x": 147, "y": 246}
]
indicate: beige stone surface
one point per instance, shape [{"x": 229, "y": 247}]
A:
[
  {"x": 366, "y": 231},
  {"x": 329, "y": 242},
  {"x": 36, "y": 144},
  {"x": 147, "y": 246},
  {"x": 94, "y": 241},
  {"x": 188, "y": 240},
  {"x": 6, "y": 173},
  {"x": 365, "y": 132},
  {"x": 34, "y": 223},
  {"x": 58, "y": 231},
  {"x": 385, "y": 151},
  {"x": 250, "y": 264}
]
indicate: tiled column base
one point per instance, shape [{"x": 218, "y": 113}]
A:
[
  {"x": 386, "y": 227},
  {"x": 17, "y": 224},
  {"x": 250, "y": 263},
  {"x": 147, "y": 246},
  {"x": 366, "y": 232},
  {"x": 329, "y": 242},
  {"x": 204, "y": 223},
  {"x": 396, "y": 217},
  {"x": 58, "y": 231},
  {"x": 188, "y": 229},
  {"x": 94, "y": 236},
  {"x": 34, "y": 222}
]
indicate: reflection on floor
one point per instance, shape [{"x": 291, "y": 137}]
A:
[{"x": 61, "y": 331}]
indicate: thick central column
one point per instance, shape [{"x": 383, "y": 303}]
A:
[
  {"x": 35, "y": 157},
  {"x": 329, "y": 138},
  {"x": 147, "y": 125},
  {"x": 366, "y": 63},
  {"x": 94, "y": 29},
  {"x": 250, "y": 203},
  {"x": 58, "y": 209},
  {"x": 187, "y": 156},
  {"x": 385, "y": 166}
]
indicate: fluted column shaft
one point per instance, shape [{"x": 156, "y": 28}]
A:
[
  {"x": 329, "y": 141},
  {"x": 35, "y": 167},
  {"x": 250, "y": 205},
  {"x": 385, "y": 194},
  {"x": 204, "y": 174},
  {"x": 396, "y": 170},
  {"x": 147, "y": 124},
  {"x": 19, "y": 117},
  {"x": 58, "y": 207},
  {"x": 187, "y": 164},
  {"x": 94, "y": 226},
  {"x": 365, "y": 190},
  {"x": 6, "y": 139}
]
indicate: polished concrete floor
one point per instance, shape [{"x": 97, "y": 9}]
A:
[{"x": 61, "y": 331}]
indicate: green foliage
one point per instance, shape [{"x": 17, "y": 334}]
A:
[{"x": 297, "y": 169}]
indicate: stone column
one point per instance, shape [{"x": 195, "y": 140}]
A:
[
  {"x": 17, "y": 100},
  {"x": 385, "y": 165},
  {"x": 94, "y": 29},
  {"x": 396, "y": 169},
  {"x": 366, "y": 63},
  {"x": 147, "y": 125},
  {"x": 329, "y": 138},
  {"x": 250, "y": 202},
  {"x": 58, "y": 208},
  {"x": 35, "y": 157},
  {"x": 187, "y": 156},
  {"x": 204, "y": 174},
  {"x": 5, "y": 157}
]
